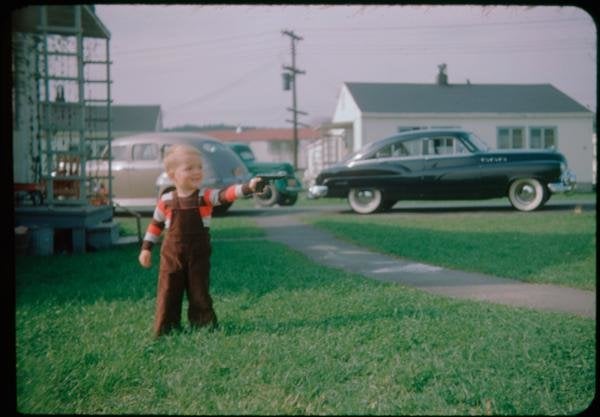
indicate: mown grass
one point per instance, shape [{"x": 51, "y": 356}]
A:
[
  {"x": 226, "y": 227},
  {"x": 295, "y": 338},
  {"x": 555, "y": 247}
]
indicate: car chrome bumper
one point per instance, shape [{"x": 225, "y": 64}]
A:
[
  {"x": 567, "y": 183},
  {"x": 317, "y": 191}
]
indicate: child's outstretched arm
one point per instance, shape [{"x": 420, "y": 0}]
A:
[
  {"x": 215, "y": 197},
  {"x": 253, "y": 183}
]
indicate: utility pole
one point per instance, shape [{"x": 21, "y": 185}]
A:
[{"x": 290, "y": 77}]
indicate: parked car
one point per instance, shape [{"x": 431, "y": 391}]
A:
[
  {"x": 443, "y": 165},
  {"x": 138, "y": 172},
  {"x": 281, "y": 191}
]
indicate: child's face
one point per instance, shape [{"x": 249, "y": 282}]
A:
[{"x": 187, "y": 175}]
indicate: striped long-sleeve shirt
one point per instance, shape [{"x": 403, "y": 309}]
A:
[{"x": 206, "y": 199}]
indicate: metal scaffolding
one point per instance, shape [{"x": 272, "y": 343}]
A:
[{"x": 62, "y": 101}]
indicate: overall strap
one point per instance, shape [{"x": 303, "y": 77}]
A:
[
  {"x": 176, "y": 204},
  {"x": 175, "y": 200}
]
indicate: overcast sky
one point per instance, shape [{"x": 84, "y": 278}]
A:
[{"x": 223, "y": 64}]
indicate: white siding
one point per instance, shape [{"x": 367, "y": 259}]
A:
[
  {"x": 347, "y": 111},
  {"x": 263, "y": 152}
]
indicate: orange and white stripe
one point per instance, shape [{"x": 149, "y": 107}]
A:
[{"x": 163, "y": 213}]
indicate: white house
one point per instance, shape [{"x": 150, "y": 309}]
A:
[{"x": 527, "y": 116}]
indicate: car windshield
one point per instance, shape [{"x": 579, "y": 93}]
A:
[{"x": 360, "y": 153}]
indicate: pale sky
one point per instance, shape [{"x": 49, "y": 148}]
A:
[{"x": 223, "y": 63}]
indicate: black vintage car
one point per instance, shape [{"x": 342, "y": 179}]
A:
[{"x": 443, "y": 165}]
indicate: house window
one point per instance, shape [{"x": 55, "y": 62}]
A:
[
  {"x": 542, "y": 137},
  {"x": 511, "y": 138},
  {"x": 280, "y": 150}
]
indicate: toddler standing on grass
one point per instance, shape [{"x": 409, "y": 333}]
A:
[{"x": 185, "y": 252}]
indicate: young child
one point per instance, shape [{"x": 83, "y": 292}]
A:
[{"x": 185, "y": 253}]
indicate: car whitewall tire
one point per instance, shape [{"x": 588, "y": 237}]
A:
[
  {"x": 526, "y": 194},
  {"x": 268, "y": 197},
  {"x": 365, "y": 200}
]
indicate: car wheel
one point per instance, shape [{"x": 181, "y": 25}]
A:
[
  {"x": 268, "y": 197},
  {"x": 365, "y": 200},
  {"x": 287, "y": 200},
  {"x": 527, "y": 194}
]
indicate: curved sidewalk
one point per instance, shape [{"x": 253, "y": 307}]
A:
[{"x": 323, "y": 248}]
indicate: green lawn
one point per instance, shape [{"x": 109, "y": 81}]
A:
[{"x": 295, "y": 338}]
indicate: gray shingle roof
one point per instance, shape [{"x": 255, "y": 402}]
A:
[
  {"x": 141, "y": 118},
  {"x": 138, "y": 118},
  {"x": 461, "y": 98}
]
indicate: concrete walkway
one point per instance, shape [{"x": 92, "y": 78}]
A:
[{"x": 323, "y": 248}]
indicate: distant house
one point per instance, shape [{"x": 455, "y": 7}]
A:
[
  {"x": 125, "y": 120},
  {"x": 271, "y": 144},
  {"x": 131, "y": 119},
  {"x": 518, "y": 116}
]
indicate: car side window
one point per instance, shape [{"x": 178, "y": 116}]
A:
[
  {"x": 246, "y": 155},
  {"x": 145, "y": 152},
  {"x": 118, "y": 152},
  {"x": 413, "y": 147},
  {"x": 392, "y": 150},
  {"x": 443, "y": 146},
  {"x": 163, "y": 151}
]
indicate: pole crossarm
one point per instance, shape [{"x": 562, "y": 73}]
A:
[
  {"x": 292, "y": 35},
  {"x": 298, "y": 123},
  {"x": 297, "y": 111},
  {"x": 293, "y": 69}
]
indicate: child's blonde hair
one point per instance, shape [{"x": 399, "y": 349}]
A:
[{"x": 174, "y": 153}]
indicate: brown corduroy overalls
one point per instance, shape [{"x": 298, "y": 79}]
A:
[{"x": 184, "y": 267}]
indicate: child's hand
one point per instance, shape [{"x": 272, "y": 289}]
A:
[
  {"x": 253, "y": 182},
  {"x": 145, "y": 258}
]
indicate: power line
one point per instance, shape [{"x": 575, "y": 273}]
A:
[
  {"x": 191, "y": 44},
  {"x": 447, "y": 26},
  {"x": 222, "y": 88}
]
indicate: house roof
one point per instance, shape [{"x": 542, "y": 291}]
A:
[
  {"x": 263, "y": 134},
  {"x": 61, "y": 20},
  {"x": 125, "y": 118},
  {"x": 461, "y": 98},
  {"x": 137, "y": 118}
]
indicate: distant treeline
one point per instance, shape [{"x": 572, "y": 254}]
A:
[{"x": 204, "y": 128}]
